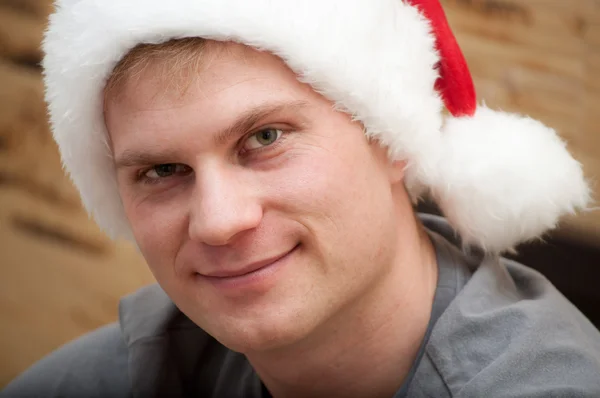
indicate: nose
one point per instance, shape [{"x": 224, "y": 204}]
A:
[{"x": 224, "y": 205}]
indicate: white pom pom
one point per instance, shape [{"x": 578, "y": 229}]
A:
[{"x": 505, "y": 179}]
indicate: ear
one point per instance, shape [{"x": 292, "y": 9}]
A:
[{"x": 396, "y": 170}]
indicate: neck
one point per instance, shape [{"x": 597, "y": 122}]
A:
[{"x": 368, "y": 348}]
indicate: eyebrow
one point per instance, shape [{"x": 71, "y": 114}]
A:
[
  {"x": 250, "y": 118},
  {"x": 245, "y": 122}
]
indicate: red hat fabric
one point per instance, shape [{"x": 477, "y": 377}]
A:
[
  {"x": 455, "y": 83},
  {"x": 499, "y": 178}
]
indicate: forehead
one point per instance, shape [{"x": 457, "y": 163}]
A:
[
  {"x": 218, "y": 66},
  {"x": 233, "y": 80}
]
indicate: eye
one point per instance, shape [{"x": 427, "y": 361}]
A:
[
  {"x": 262, "y": 138},
  {"x": 166, "y": 170}
]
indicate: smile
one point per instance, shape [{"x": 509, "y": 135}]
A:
[{"x": 250, "y": 274}]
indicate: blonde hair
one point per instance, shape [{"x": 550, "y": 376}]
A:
[{"x": 177, "y": 60}]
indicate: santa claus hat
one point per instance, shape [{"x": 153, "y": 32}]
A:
[{"x": 499, "y": 178}]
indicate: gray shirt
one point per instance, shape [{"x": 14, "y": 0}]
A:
[{"x": 497, "y": 329}]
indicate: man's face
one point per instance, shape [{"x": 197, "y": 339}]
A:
[{"x": 261, "y": 211}]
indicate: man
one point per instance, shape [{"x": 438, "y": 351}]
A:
[{"x": 265, "y": 157}]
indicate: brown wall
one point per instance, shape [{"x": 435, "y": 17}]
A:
[{"x": 61, "y": 277}]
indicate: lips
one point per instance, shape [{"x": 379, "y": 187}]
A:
[{"x": 247, "y": 269}]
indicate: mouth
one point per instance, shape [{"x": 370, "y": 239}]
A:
[{"x": 249, "y": 270}]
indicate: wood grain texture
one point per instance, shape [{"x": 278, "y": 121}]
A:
[
  {"x": 35, "y": 8},
  {"x": 20, "y": 34}
]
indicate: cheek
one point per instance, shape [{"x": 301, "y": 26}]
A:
[
  {"x": 340, "y": 194},
  {"x": 157, "y": 227},
  {"x": 345, "y": 205}
]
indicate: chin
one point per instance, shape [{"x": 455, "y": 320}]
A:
[{"x": 264, "y": 333}]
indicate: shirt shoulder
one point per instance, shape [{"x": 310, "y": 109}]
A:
[
  {"x": 511, "y": 332},
  {"x": 169, "y": 355},
  {"x": 95, "y": 365}
]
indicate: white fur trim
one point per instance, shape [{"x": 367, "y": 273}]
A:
[
  {"x": 505, "y": 179},
  {"x": 374, "y": 58}
]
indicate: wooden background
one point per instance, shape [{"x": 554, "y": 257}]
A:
[{"x": 61, "y": 277}]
